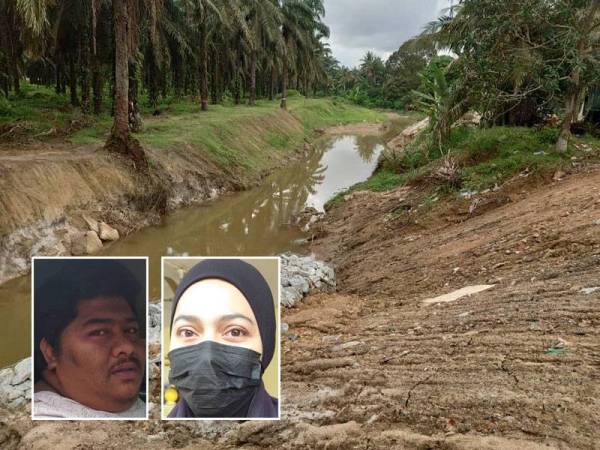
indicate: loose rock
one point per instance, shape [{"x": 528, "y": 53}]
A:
[
  {"x": 15, "y": 384},
  {"x": 108, "y": 233},
  {"x": 85, "y": 243}
]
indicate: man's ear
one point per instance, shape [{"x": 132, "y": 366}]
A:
[{"x": 49, "y": 354}]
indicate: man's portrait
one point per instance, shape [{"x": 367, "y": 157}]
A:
[
  {"x": 89, "y": 346},
  {"x": 222, "y": 333}
]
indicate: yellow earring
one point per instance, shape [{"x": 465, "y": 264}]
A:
[{"x": 171, "y": 395}]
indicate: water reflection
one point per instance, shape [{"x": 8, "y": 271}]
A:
[
  {"x": 251, "y": 223},
  {"x": 258, "y": 221}
]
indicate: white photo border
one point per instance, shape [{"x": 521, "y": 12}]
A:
[
  {"x": 162, "y": 343},
  {"x": 148, "y": 390}
]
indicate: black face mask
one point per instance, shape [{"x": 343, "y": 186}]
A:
[{"x": 216, "y": 380}]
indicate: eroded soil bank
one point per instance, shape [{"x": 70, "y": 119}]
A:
[
  {"x": 47, "y": 189},
  {"x": 373, "y": 366}
]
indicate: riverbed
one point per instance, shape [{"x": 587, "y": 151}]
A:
[{"x": 256, "y": 222}]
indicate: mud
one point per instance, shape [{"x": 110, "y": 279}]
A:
[{"x": 372, "y": 366}]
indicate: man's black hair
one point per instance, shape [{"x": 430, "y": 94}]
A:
[{"x": 57, "y": 296}]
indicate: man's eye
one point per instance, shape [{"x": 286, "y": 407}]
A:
[
  {"x": 133, "y": 330},
  {"x": 99, "y": 333}
]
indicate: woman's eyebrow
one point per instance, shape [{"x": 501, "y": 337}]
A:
[
  {"x": 186, "y": 318},
  {"x": 229, "y": 317}
]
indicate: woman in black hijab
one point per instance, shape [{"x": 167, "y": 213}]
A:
[{"x": 223, "y": 334}]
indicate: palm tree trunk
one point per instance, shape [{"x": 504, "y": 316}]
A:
[
  {"x": 121, "y": 104},
  {"x": 237, "y": 90},
  {"x": 97, "y": 85},
  {"x": 272, "y": 81},
  {"x": 135, "y": 119},
  {"x": 120, "y": 140},
  {"x": 252, "y": 100},
  {"x": 15, "y": 49},
  {"x": 84, "y": 74},
  {"x": 214, "y": 91},
  {"x": 284, "y": 80},
  {"x": 73, "y": 81},
  {"x": 58, "y": 72},
  {"x": 95, "y": 63},
  {"x": 203, "y": 68}
]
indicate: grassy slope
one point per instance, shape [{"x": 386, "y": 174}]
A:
[
  {"x": 236, "y": 137},
  {"x": 487, "y": 157}
]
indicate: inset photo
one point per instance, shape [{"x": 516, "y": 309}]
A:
[
  {"x": 89, "y": 338},
  {"x": 221, "y": 338}
]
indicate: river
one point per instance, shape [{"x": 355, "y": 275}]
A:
[{"x": 256, "y": 222}]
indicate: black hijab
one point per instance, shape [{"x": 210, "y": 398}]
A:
[{"x": 250, "y": 282}]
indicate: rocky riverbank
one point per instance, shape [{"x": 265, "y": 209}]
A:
[{"x": 15, "y": 384}]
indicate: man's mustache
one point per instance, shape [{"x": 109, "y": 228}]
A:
[{"x": 126, "y": 361}]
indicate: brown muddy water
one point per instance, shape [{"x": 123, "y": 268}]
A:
[{"x": 256, "y": 222}]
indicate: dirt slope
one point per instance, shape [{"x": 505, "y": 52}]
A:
[
  {"x": 45, "y": 189},
  {"x": 477, "y": 365}
]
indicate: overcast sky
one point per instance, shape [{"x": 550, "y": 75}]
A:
[{"x": 377, "y": 25}]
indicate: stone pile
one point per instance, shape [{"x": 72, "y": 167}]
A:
[
  {"x": 154, "y": 323},
  {"x": 301, "y": 275},
  {"x": 15, "y": 384}
]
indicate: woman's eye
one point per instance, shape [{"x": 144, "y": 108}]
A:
[
  {"x": 186, "y": 333},
  {"x": 236, "y": 332}
]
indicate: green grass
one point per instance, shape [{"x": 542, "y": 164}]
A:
[
  {"x": 486, "y": 157},
  {"x": 241, "y": 138},
  {"x": 494, "y": 155},
  {"x": 37, "y": 111},
  {"x": 382, "y": 180},
  {"x": 325, "y": 112}
]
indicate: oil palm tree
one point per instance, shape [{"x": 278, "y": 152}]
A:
[
  {"x": 302, "y": 26},
  {"x": 264, "y": 22},
  {"x": 203, "y": 16}
]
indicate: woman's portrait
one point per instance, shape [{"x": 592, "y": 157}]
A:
[{"x": 221, "y": 338}]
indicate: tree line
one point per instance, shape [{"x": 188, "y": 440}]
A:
[
  {"x": 92, "y": 49},
  {"x": 517, "y": 62}
]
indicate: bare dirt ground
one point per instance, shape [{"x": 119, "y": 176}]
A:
[{"x": 476, "y": 366}]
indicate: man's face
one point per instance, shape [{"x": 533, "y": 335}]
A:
[
  {"x": 214, "y": 310},
  {"x": 101, "y": 357}
]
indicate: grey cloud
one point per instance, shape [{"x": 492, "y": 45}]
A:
[{"x": 377, "y": 25}]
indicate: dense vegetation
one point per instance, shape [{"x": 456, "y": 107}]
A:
[
  {"x": 531, "y": 71},
  {"x": 515, "y": 62},
  {"x": 389, "y": 84},
  {"x": 218, "y": 48}
]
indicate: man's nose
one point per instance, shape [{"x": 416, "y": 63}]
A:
[{"x": 124, "y": 343}]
